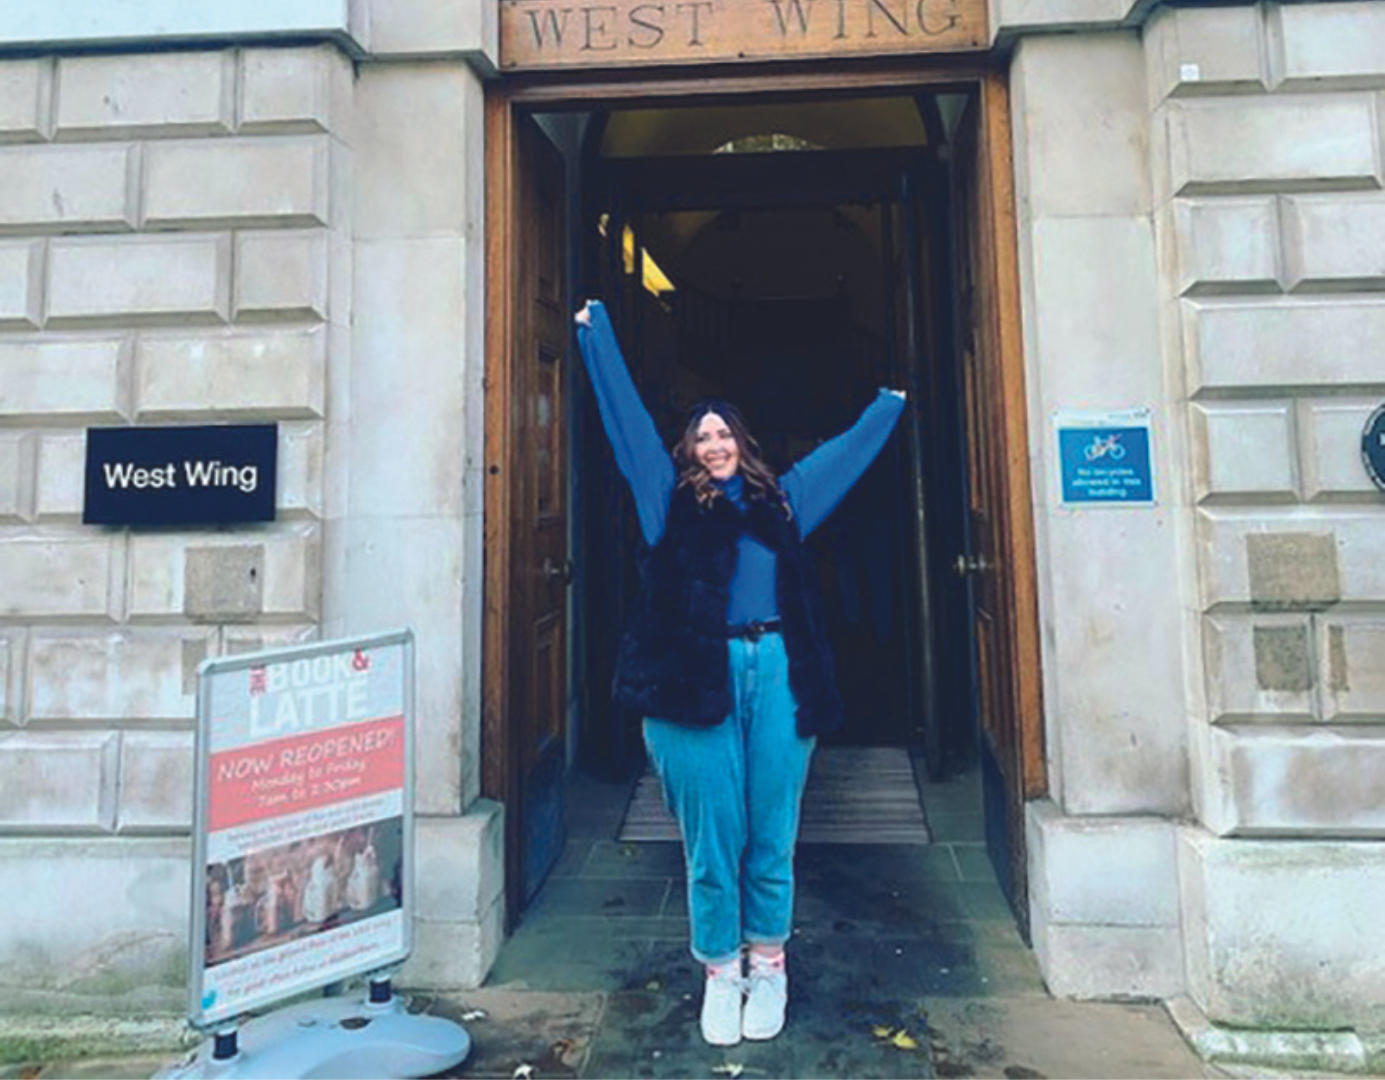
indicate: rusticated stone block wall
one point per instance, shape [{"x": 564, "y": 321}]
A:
[
  {"x": 1270, "y": 207},
  {"x": 174, "y": 248},
  {"x": 1200, "y": 207},
  {"x": 1270, "y": 181}
]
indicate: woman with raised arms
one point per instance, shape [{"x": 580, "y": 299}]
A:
[{"x": 726, "y": 657}]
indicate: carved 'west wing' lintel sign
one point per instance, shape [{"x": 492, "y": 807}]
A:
[{"x": 537, "y": 35}]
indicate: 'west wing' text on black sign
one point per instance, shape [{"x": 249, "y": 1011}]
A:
[{"x": 211, "y": 475}]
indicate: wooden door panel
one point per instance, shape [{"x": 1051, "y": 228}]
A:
[
  {"x": 544, "y": 431},
  {"x": 986, "y": 675},
  {"x": 978, "y": 498},
  {"x": 1013, "y": 492},
  {"x": 539, "y": 531},
  {"x": 545, "y": 727},
  {"x": 1000, "y": 557}
]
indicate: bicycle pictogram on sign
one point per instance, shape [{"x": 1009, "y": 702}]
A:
[{"x": 1109, "y": 446}]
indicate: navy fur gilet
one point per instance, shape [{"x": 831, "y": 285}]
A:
[{"x": 673, "y": 661}]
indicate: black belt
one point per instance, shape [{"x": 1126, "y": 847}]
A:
[{"x": 754, "y": 630}]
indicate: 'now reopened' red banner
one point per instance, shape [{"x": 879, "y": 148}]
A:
[{"x": 286, "y": 776}]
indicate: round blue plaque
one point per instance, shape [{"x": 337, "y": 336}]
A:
[{"x": 1373, "y": 446}]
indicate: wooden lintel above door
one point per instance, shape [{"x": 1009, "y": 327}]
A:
[{"x": 544, "y": 35}]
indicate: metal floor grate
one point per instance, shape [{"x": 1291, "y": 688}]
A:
[{"x": 855, "y": 795}]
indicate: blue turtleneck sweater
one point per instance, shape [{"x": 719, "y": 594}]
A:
[{"x": 814, "y": 486}]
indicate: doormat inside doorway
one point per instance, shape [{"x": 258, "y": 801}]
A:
[{"x": 855, "y": 795}]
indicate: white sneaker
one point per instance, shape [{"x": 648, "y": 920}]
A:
[
  {"x": 721, "y": 1004},
  {"x": 768, "y": 995}
]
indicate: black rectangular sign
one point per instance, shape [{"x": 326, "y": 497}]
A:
[{"x": 210, "y": 475}]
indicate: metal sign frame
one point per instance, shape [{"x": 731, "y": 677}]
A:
[{"x": 200, "y": 1014}]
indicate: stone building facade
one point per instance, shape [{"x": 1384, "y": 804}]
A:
[
  {"x": 213, "y": 217},
  {"x": 1212, "y": 669},
  {"x": 244, "y": 231}
]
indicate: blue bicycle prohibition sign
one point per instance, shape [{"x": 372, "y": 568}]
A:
[{"x": 1107, "y": 463}]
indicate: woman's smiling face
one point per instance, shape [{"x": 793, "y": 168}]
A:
[{"x": 716, "y": 448}]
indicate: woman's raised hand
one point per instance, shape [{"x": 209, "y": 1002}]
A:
[{"x": 584, "y": 316}]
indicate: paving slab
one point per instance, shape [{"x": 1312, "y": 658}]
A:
[
  {"x": 656, "y": 1035},
  {"x": 1041, "y": 1037},
  {"x": 517, "y": 1031},
  {"x": 905, "y": 962}
]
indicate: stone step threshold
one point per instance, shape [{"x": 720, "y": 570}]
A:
[{"x": 1294, "y": 1053}]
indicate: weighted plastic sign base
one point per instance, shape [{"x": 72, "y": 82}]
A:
[{"x": 333, "y": 1038}]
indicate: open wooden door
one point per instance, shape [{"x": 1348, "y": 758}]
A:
[
  {"x": 999, "y": 558},
  {"x": 527, "y": 568}
]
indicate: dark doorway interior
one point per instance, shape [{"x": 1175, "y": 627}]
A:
[{"x": 794, "y": 277}]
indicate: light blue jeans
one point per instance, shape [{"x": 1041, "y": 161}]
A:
[{"x": 736, "y": 790}]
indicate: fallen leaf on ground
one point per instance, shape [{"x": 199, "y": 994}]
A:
[
  {"x": 473, "y": 1014},
  {"x": 523, "y": 1071},
  {"x": 653, "y": 984},
  {"x": 566, "y": 1052},
  {"x": 733, "y": 1069},
  {"x": 896, "y": 1037}
]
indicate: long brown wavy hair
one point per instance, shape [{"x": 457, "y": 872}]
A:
[{"x": 760, "y": 480}]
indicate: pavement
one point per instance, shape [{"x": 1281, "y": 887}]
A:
[{"x": 905, "y": 962}]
